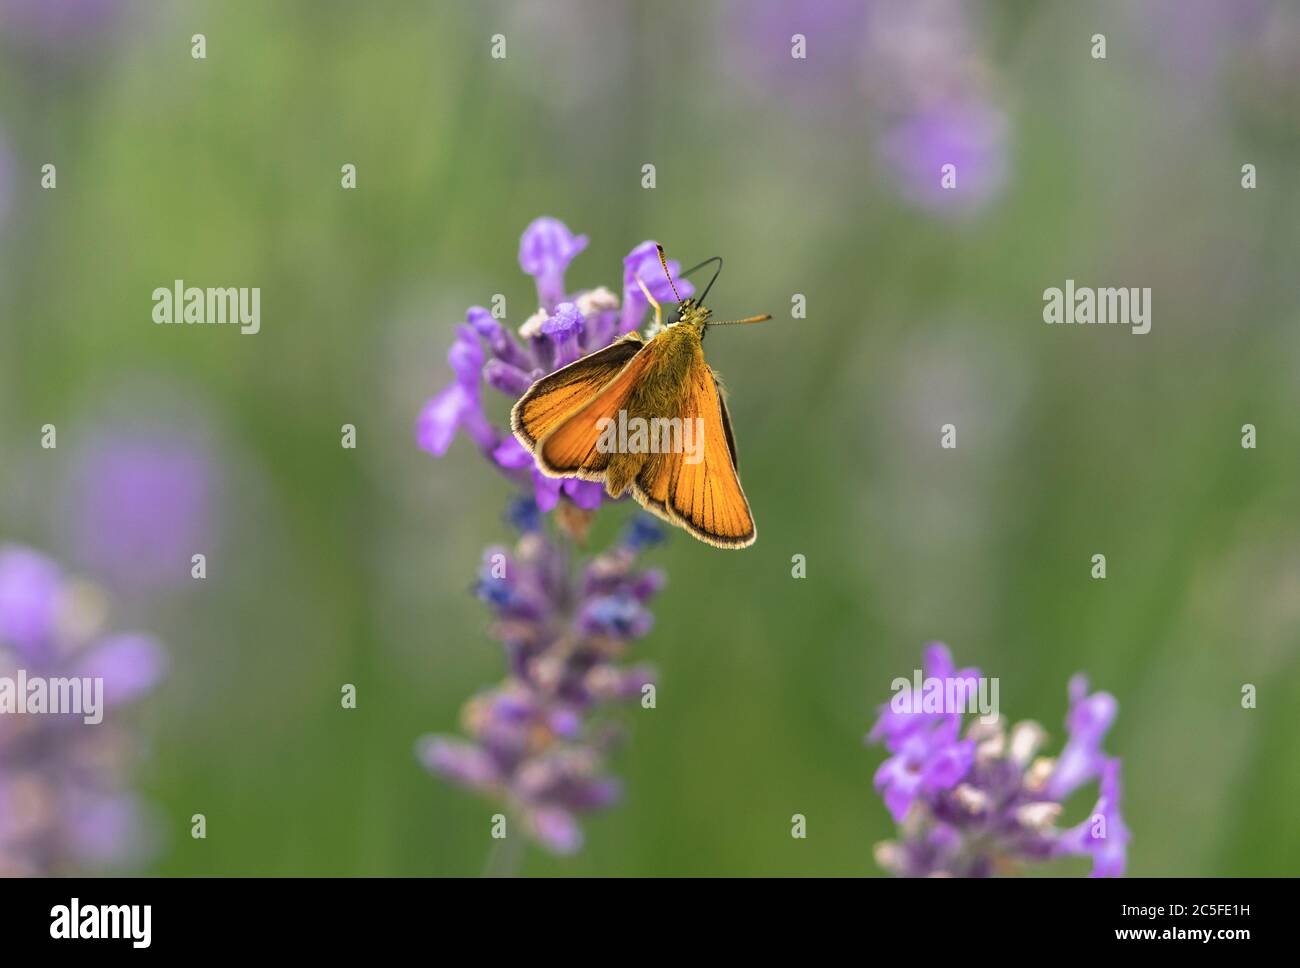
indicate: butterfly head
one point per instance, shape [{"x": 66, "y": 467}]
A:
[{"x": 691, "y": 313}]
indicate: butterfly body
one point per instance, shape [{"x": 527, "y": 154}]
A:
[
  {"x": 662, "y": 393},
  {"x": 645, "y": 417}
]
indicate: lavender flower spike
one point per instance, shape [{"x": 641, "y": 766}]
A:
[
  {"x": 533, "y": 744},
  {"x": 532, "y": 748},
  {"x": 983, "y": 802},
  {"x": 64, "y": 803}
]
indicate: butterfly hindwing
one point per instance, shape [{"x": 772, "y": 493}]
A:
[
  {"x": 705, "y": 497},
  {"x": 726, "y": 422}
]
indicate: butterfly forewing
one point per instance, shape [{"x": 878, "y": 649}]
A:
[
  {"x": 554, "y": 397},
  {"x": 572, "y": 446}
]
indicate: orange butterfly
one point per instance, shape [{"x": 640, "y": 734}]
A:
[{"x": 648, "y": 416}]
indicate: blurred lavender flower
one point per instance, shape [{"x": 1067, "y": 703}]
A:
[
  {"x": 1196, "y": 39},
  {"x": 55, "y": 24},
  {"x": 532, "y": 747},
  {"x": 567, "y": 326},
  {"x": 63, "y": 802},
  {"x": 141, "y": 501},
  {"x": 1243, "y": 52},
  {"x": 835, "y": 31},
  {"x": 928, "y": 82},
  {"x": 980, "y": 803},
  {"x": 970, "y": 135},
  {"x": 932, "y": 86}
]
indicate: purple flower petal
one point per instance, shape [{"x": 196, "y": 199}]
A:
[
  {"x": 511, "y": 454},
  {"x": 565, "y": 722},
  {"x": 130, "y": 665},
  {"x": 564, "y": 323},
  {"x": 969, "y": 135},
  {"x": 142, "y": 500},
  {"x": 545, "y": 251},
  {"x": 466, "y": 358},
  {"x": 564, "y": 327},
  {"x": 106, "y": 830},
  {"x": 457, "y": 760},
  {"x": 936, "y": 660},
  {"x": 893, "y": 726},
  {"x": 30, "y": 588},
  {"x": 899, "y": 782},
  {"x": 458, "y": 405},
  {"x": 587, "y": 495},
  {"x": 1103, "y": 836},
  {"x": 643, "y": 262},
  {"x": 593, "y": 794},
  {"x": 507, "y": 378},
  {"x": 556, "y": 829},
  {"x": 616, "y": 615},
  {"x": 440, "y": 418},
  {"x": 499, "y": 341},
  {"x": 546, "y": 491},
  {"x": 1088, "y": 721}
]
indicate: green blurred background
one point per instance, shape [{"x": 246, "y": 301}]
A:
[{"x": 330, "y": 566}]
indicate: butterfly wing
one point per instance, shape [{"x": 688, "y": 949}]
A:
[
  {"x": 555, "y": 396},
  {"x": 705, "y": 497},
  {"x": 573, "y": 448},
  {"x": 726, "y": 422}
]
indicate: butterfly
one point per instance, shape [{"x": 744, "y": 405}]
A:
[{"x": 650, "y": 417}]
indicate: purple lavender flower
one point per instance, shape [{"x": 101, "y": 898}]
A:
[
  {"x": 920, "y": 66},
  {"x": 834, "y": 31},
  {"x": 643, "y": 263},
  {"x": 142, "y": 500},
  {"x": 1194, "y": 39},
  {"x": 982, "y": 802},
  {"x": 458, "y": 406},
  {"x": 532, "y": 746},
  {"x": 933, "y": 90},
  {"x": 545, "y": 251},
  {"x": 567, "y": 326},
  {"x": 968, "y": 134},
  {"x": 64, "y": 805}
]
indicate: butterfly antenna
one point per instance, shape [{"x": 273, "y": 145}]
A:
[
  {"x": 664, "y": 262},
  {"x": 739, "y": 322},
  {"x": 716, "y": 272}
]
